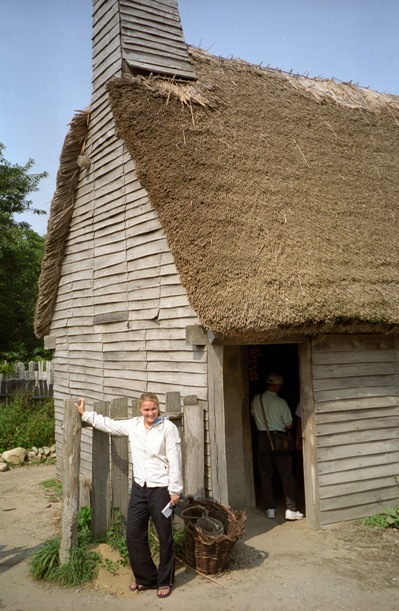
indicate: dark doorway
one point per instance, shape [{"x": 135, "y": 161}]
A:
[{"x": 284, "y": 360}]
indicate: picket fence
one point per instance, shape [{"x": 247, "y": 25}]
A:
[
  {"x": 37, "y": 378},
  {"x": 110, "y": 483}
]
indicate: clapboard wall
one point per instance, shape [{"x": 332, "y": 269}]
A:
[
  {"x": 121, "y": 312},
  {"x": 356, "y": 396}
]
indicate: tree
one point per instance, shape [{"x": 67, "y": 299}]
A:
[{"x": 21, "y": 252}]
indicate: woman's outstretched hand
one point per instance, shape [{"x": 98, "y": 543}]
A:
[{"x": 80, "y": 406}]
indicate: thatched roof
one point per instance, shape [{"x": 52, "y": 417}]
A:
[
  {"x": 279, "y": 195},
  {"x": 58, "y": 226}
]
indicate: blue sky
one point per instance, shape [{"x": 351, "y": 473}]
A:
[{"x": 45, "y": 59}]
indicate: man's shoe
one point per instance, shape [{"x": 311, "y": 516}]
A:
[
  {"x": 271, "y": 513},
  {"x": 293, "y": 515}
]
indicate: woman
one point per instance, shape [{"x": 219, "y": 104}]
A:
[{"x": 155, "y": 451}]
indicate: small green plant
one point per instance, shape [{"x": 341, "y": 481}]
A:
[
  {"x": 84, "y": 525},
  {"x": 111, "y": 565},
  {"x": 388, "y": 519},
  {"x": 116, "y": 537}
]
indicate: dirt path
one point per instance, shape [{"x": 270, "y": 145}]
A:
[{"x": 277, "y": 566}]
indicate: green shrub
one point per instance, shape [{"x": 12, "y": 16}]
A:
[
  {"x": 6, "y": 367},
  {"x": 8, "y": 360},
  {"x": 26, "y": 423},
  {"x": 388, "y": 519}
]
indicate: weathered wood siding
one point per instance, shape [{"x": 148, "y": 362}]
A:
[
  {"x": 152, "y": 37},
  {"x": 356, "y": 395},
  {"x": 121, "y": 311}
]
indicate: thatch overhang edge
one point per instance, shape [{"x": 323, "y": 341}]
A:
[{"x": 61, "y": 210}]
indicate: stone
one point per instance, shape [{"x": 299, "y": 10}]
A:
[
  {"x": 15, "y": 456},
  {"x": 3, "y": 467}
]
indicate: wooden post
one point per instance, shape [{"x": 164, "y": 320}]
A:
[
  {"x": 312, "y": 498},
  {"x": 217, "y": 429},
  {"x": 70, "y": 480},
  {"x": 101, "y": 493},
  {"x": 120, "y": 461},
  {"x": 193, "y": 448},
  {"x": 135, "y": 408}
]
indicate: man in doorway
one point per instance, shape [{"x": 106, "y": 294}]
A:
[{"x": 272, "y": 418}]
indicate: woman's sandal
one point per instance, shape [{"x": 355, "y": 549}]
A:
[
  {"x": 164, "y": 591},
  {"x": 138, "y": 587}
]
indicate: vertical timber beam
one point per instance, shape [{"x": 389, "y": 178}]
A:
[
  {"x": 101, "y": 486},
  {"x": 70, "y": 480},
  {"x": 193, "y": 448},
  {"x": 312, "y": 498},
  {"x": 217, "y": 429},
  {"x": 119, "y": 463}
]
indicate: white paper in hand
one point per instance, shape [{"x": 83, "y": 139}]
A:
[{"x": 167, "y": 510}]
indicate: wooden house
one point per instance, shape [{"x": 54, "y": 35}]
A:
[{"x": 215, "y": 221}]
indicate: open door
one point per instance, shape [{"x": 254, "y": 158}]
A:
[{"x": 284, "y": 360}]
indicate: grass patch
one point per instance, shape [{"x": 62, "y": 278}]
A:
[
  {"x": 53, "y": 489},
  {"x": 81, "y": 568},
  {"x": 388, "y": 519},
  {"x": 83, "y": 564}
]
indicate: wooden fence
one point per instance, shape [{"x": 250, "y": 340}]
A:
[
  {"x": 111, "y": 476},
  {"x": 37, "y": 378}
]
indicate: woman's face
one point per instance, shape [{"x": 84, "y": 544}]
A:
[{"x": 150, "y": 411}]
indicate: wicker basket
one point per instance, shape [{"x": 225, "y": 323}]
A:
[{"x": 208, "y": 554}]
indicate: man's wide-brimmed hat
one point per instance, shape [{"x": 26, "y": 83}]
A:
[{"x": 274, "y": 378}]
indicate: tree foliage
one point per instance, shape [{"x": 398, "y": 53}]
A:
[{"x": 21, "y": 252}]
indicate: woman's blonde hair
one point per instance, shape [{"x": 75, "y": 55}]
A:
[{"x": 149, "y": 396}]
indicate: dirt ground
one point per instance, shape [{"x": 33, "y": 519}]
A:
[{"x": 277, "y": 565}]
